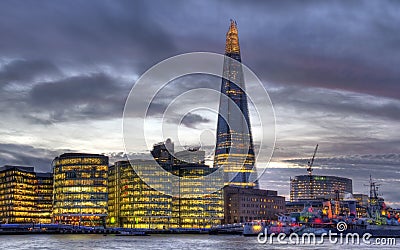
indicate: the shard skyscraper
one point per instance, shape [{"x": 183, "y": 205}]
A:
[{"x": 234, "y": 143}]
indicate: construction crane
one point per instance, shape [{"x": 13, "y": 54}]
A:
[
  {"x": 309, "y": 170},
  {"x": 311, "y": 162}
]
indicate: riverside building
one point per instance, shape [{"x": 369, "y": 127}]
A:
[
  {"x": 195, "y": 206},
  {"x": 248, "y": 204},
  {"x": 306, "y": 187},
  {"x": 234, "y": 149},
  {"x": 134, "y": 204},
  {"x": 80, "y": 189},
  {"x": 25, "y": 196}
]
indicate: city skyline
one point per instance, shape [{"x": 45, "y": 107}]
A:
[{"x": 330, "y": 69}]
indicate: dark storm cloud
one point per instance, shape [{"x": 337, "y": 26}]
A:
[
  {"x": 120, "y": 33},
  {"x": 338, "y": 103},
  {"x": 333, "y": 45},
  {"x": 41, "y": 158},
  {"x": 193, "y": 120},
  {"x": 158, "y": 109},
  {"x": 27, "y": 71},
  {"x": 383, "y": 159},
  {"x": 335, "y": 143},
  {"x": 101, "y": 96},
  {"x": 26, "y": 155},
  {"x": 178, "y": 93},
  {"x": 92, "y": 96},
  {"x": 336, "y": 44}
]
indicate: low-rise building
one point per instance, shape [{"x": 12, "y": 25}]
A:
[
  {"x": 247, "y": 204},
  {"x": 362, "y": 201}
]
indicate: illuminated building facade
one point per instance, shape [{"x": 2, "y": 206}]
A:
[
  {"x": 44, "y": 195},
  {"x": 80, "y": 189},
  {"x": 196, "y": 207},
  {"x": 132, "y": 203},
  {"x": 244, "y": 204},
  {"x": 362, "y": 204},
  {"x": 25, "y": 196},
  {"x": 304, "y": 187},
  {"x": 234, "y": 146},
  {"x": 362, "y": 199}
]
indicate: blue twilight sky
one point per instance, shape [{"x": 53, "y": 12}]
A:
[{"x": 331, "y": 69}]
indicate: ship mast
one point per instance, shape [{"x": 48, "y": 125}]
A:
[{"x": 374, "y": 207}]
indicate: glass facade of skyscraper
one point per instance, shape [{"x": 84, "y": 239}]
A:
[
  {"x": 80, "y": 189},
  {"x": 132, "y": 203},
  {"x": 196, "y": 207},
  {"x": 234, "y": 144},
  {"x": 44, "y": 194},
  {"x": 25, "y": 196}
]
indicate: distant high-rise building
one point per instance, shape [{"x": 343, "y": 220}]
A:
[
  {"x": 163, "y": 153},
  {"x": 80, "y": 189},
  {"x": 305, "y": 187},
  {"x": 234, "y": 144},
  {"x": 25, "y": 196}
]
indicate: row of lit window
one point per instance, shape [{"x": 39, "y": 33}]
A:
[{"x": 83, "y": 160}]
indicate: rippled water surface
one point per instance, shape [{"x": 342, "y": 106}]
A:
[{"x": 192, "y": 242}]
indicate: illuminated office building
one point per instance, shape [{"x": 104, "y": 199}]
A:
[
  {"x": 80, "y": 189},
  {"x": 132, "y": 203},
  {"x": 44, "y": 196},
  {"x": 25, "y": 196},
  {"x": 197, "y": 207},
  {"x": 305, "y": 187},
  {"x": 234, "y": 144}
]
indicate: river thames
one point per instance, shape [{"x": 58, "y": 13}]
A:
[{"x": 192, "y": 242}]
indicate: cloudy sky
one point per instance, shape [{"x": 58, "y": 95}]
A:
[{"x": 331, "y": 70}]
